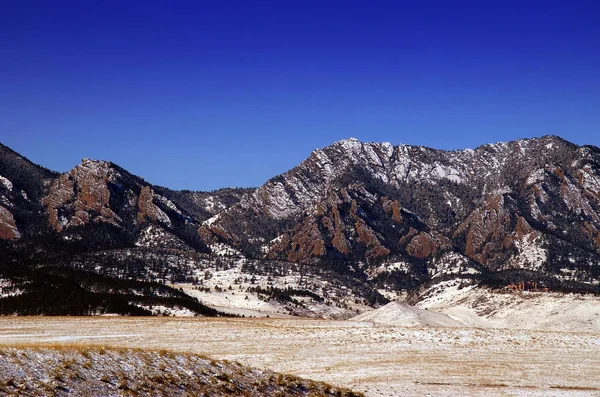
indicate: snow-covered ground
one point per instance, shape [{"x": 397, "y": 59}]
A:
[
  {"x": 229, "y": 288},
  {"x": 481, "y": 307},
  {"x": 400, "y": 313},
  {"x": 237, "y": 302},
  {"x": 380, "y": 360}
]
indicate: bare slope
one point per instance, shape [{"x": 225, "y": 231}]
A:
[{"x": 115, "y": 372}]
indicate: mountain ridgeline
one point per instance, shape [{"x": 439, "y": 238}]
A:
[{"x": 365, "y": 215}]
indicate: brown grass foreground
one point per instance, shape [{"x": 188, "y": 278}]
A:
[
  {"x": 98, "y": 371},
  {"x": 377, "y": 360}
]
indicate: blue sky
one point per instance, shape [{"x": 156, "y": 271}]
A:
[{"x": 201, "y": 95}]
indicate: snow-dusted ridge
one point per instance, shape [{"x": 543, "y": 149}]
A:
[{"x": 364, "y": 216}]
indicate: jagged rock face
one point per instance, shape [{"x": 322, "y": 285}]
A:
[
  {"x": 350, "y": 161},
  {"x": 492, "y": 231},
  {"x": 81, "y": 196},
  {"x": 353, "y": 224},
  {"x": 301, "y": 187},
  {"x": 529, "y": 204},
  {"x": 8, "y": 227},
  {"x": 425, "y": 245},
  {"x": 212, "y": 234},
  {"x": 100, "y": 200},
  {"x": 148, "y": 210},
  {"x": 488, "y": 229},
  {"x": 455, "y": 175},
  {"x": 526, "y": 203}
]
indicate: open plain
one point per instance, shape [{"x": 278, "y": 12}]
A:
[{"x": 380, "y": 360}]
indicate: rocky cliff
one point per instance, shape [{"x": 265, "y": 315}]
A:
[{"x": 383, "y": 215}]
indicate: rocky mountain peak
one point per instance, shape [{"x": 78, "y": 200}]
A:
[
  {"x": 81, "y": 196},
  {"x": 500, "y": 205},
  {"x": 384, "y": 216}
]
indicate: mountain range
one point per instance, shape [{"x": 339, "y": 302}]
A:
[{"x": 361, "y": 217}]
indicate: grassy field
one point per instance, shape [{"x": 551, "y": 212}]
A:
[{"x": 378, "y": 360}]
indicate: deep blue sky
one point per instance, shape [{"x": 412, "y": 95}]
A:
[{"x": 207, "y": 94}]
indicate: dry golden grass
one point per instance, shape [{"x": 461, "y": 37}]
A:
[
  {"x": 380, "y": 360},
  {"x": 96, "y": 371}
]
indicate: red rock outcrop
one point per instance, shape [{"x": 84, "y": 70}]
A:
[
  {"x": 592, "y": 233},
  {"x": 8, "y": 227},
  {"x": 305, "y": 242},
  {"x": 338, "y": 241},
  {"x": 367, "y": 236},
  {"x": 206, "y": 235},
  {"x": 393, "y": 207},
  {"x": 404, "y": 240},
  {"x": 333, "y": 223},
  {"x": 212, "y": 234},
  {"x": 148, "y": 209},
  {"x": 487, "y": 229},
  {"x": 81, "y": 196},
  {"x": 425, "y": 245},
  {"x": 560, "y": 173},
  {"x": 523, "y": 228}
]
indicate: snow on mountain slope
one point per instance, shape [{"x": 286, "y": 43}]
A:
[
  {"x": 154, "y": 236},
  {"x": 299, "y": 188},
  {"x": 363, "y": 216},
  {"x": 530, "y": 204},
  {"x": 7, "y": 183},
  {"x": 229, "y": 285}
]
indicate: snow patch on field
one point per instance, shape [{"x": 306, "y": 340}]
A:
[
  {"x": 400, "y": 313},
  {"x": 380, "y": 360},
  {"x": 167, "y": 311},
  {"x": 228, "y": 286},
  {"x": 236, "y": 302}
]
